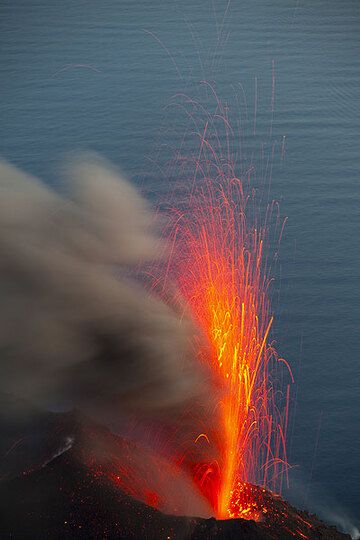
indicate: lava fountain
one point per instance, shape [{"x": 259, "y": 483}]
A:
[{"x": 224, "y": 272}]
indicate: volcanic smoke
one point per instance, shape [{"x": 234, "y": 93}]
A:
[{"x": 76, "y": 330}]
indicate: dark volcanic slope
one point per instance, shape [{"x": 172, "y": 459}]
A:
[{"x": 65, "y": 499}]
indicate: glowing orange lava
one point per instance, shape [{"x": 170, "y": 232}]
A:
[
  {"x": 245, "y": 503},
  {"x": 225, "y": 277}
]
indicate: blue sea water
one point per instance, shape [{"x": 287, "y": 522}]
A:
[{"x": 98, "y": 75}]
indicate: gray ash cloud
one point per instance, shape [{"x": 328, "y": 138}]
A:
[{"x": 74, "y": 327}]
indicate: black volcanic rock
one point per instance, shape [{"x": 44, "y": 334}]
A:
[
  {"x": 28, "y": 436},
  {"x": 67, "y": 499}
]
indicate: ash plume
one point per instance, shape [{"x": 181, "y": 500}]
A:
[{"x": 74, "y": 327}]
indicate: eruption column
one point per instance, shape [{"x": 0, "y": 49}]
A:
[{"x": 225, "y": 281}]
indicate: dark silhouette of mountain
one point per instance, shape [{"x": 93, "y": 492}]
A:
[{"x": 72, "y": 496}]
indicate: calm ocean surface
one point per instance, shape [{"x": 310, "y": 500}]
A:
[{"x": 97, "y": 75}]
